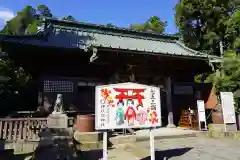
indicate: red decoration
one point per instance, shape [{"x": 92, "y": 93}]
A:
[
  {"x": 153, "y": 117},
  {"x": 130, "y": 113},
  {"x": 106, "y": 94},
  {"x": 136, "y": 94},
  {"x": 148, "y": 110}
]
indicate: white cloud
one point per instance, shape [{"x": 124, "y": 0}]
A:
[{"x": 5, "y": 15}]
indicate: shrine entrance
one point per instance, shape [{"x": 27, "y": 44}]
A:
[{"x": 98, "y": 55}]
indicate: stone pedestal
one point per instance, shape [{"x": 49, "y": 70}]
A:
[
  {"x": 57, "y": 121},
  {"x": 56, "y": 142}
]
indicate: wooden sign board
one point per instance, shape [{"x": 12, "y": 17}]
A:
[{"x": 127, "y": 105}]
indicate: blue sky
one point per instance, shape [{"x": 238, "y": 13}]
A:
[{"x": 121, "y": 13}]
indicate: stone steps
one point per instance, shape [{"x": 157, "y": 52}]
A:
[
  {"x": 84, "y": 146},
  {"x": 220, "y": 134}
]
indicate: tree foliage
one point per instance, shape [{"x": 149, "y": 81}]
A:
[
  {"x": 69, "y": 18},
  {"x": 233, "y": 30},
  {"x": 25, "y": 22},
  {"x": 228, "y": 80},
  {"x": 203, "y": 23},
  {"x": 111, "y": 25},
  {"x": 153, "y": 24}
]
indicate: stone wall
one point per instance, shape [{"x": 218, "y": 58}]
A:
[{"x": 21, "y": 147}]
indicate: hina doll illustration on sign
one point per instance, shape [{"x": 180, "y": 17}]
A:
[
  {"x": 130, "y": 112},
  {"x": 141, "y": 114},
  {"x": 120, "y": 113}
]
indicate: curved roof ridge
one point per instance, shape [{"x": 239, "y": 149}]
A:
[
  {"x": 104, "y": 27},
  {"x": 187, "y": 48}
]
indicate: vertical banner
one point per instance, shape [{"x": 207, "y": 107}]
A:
[
  {"x": 228, "y": 108},
  {"x": 201, "y": 115}
]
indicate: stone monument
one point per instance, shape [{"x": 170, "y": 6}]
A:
[
  {"x": 58, "y": 119},
  {"x": 56, "y": 142}
]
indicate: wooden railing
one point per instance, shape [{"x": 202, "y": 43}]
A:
[{"x": 12, "y": 129}]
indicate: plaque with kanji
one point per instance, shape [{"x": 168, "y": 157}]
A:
[{"x": 127, "y": 105}]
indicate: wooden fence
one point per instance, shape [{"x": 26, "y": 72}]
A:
[{"x": 12, "y": 129}]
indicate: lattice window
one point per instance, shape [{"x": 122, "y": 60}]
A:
[{"x": 58, "y": 86}]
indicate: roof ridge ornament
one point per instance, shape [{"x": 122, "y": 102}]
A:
[
  {"x": 45, "y": 28},
  {"x": 94, "y": 55}
]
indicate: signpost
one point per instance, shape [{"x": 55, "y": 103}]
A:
[
  {"x": 228, "y": 108},
  {"x": 127, "y": 105},
  {"x": 201, "y": 115}
]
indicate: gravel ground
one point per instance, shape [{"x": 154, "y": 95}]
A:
[{"x": 195, "y": 148}]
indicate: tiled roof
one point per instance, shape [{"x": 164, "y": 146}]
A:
[
  {"x": 67, "y": 34},
  {"x": 122, "y": 38}
]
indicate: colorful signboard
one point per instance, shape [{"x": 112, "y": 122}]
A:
[{"x": 127, "y": 105}]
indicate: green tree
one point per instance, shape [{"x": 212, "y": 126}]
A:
[
  {"x": 69, "y": 18},
  {"x": 26, "y": 21},
  {"x": 20, "y": 23},
  {"x": 111, "y": 25},
  {"x": 233, "y": 30},
  {"x": 228, "y": 81},
  {"x": 44, "y": 11},
  {"x": 203, "y": 23},
  {"x": 153, "y": 24}
]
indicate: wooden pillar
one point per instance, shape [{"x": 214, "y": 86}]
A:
[
  {"x": 168, "y": 85},
  {"x": 114, "y": 78}
]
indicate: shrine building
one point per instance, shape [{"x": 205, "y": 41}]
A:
[{"x": 72, "y": 58}]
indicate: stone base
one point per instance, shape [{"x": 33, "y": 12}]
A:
[
  {"x": 57, "y": 120},
  {"x": 222, "y": 127},
  {"x": 123, "y": 139},
  {"x": 171, "y": 126},
  {"x": 218, "y": 134},
  {"x": 88, "y": 140},
  {"x": 56, "y": 143},
  {"x": 87, "y": 136},
  {"x": 216, "y": 127},
  {"x": 85, "y": 146},
  {"x": 52, "y": 136}
]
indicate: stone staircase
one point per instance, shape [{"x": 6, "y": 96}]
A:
[{"x": 88, "y": 140}]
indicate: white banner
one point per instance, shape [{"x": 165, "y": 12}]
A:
[
  {"x": 201, "y": 111},
  {"x": 127, "y": 105},
  {"x": 228, "y": 107}
]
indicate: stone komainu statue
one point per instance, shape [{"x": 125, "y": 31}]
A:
[{"x": 58, "y": 107}]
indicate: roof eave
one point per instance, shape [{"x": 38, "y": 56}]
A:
[{"x": 199, "y": 57}]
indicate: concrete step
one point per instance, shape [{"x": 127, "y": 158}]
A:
[
  {"x": 85, "y": 146},
  {"x": 157, "y": 137},
  {"x": 87, "y": 136},
  {"x": 123, "y": 139},
  {"x": 219, "y": 134}
]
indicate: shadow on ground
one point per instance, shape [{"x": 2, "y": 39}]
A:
[
  {"x": 166, "y": 154},
  {"x": 91, "y": 154},
  {"x": 61, "y": 149}
]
